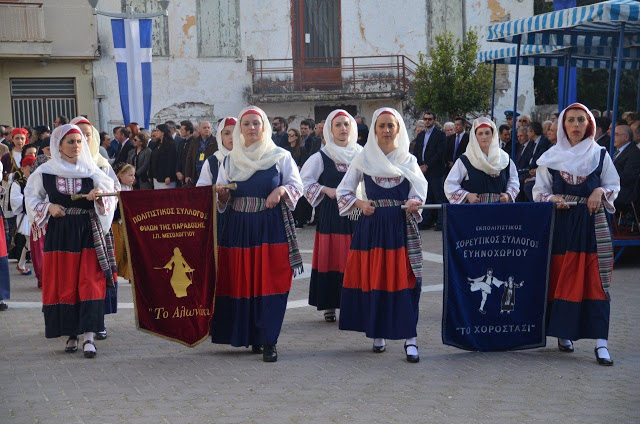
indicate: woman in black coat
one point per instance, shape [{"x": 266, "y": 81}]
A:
[
  {"x": 140, "y": 158},
  {"x": 163, "y": 160}
]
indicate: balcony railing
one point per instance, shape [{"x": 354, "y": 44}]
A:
[
  {"x": 366, "y": 77},
  {"x": 21, "y": 22}
]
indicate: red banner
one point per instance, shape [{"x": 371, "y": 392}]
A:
[{"x": 171, "y": 245}]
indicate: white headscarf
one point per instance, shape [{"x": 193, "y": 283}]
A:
[
  {"x": 579, "y": 160},
  {"x": 337, "y": 153},
  {"x": 244, "y": 161},
  {"x": 222, "y": 151},
  {"x": 496, "y": 160},
  {"x": 94, "y": 145},
  {"x": 85, "y": 167},
  {"x": 373, "y": 162}
]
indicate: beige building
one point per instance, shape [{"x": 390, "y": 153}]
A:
[{"x": 46, "y": 57}]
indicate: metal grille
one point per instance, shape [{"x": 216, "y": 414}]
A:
[
  {"x": 60, "y": 106},
  {"x": 40, "y": 87},
  {"x": 27, "y": 112},
  {"x": 37, "y": 101},
  {"x": 322, "y": 24}
]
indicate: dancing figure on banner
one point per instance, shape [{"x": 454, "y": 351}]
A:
[
  {"x": 483, "y": 284},
  {"x": 508, "y": 303},
  {"x": 181, "y": 273}
]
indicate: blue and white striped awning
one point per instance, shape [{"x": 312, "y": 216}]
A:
[
  {"x": 594, "y": 25},
  {"x": 549, "y": 56}
]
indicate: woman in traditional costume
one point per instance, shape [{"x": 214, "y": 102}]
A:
[
  {"x": 484, "y": 173},
  {"x": 321, "y": 174},
  {"x": 258, "y": 247},
  {"x": 17, "y": 205},
  {"x": 224, "y": 136},
  {"x": 383, "y": 275},
  {"x": 92, "y": 137},
  {"x": 78, "y": 265},
  {"x": 209, "y": 172},
  {"x": 5, "y": 282},
  {"x": 577, "y": 169}
]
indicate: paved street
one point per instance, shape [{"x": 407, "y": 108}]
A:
[{"x": 322, "y": 374}]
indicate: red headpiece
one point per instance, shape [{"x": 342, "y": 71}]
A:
[
  {"x": 82, "y": 121},
  {"x": 19, "y": 131},
  {"x": 230, "y": 121},
  {"x": 483, "y": 125},
  {"x": 71, "y": 131},
  {"x": 251, "y": 112},
  {"x": 386, "y": 111},
  {"x": 341, "y": 113},
  {"x": 27, "y": 160}
]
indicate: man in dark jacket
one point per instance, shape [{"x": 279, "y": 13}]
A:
[
  {"x": 456, "y": 142},
  {"x": 626, "y": 159},
  {"x": 199, "y": 150},
  {"x": 186, "y": 134},
  {"x": 429, "y": 150},
  {"x": 126, "y": 145},
  {"x": 279, "y": 134},
  {"x": 310, "y": 142}
]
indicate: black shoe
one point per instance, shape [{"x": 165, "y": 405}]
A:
[
  {"x": 330, "y": 316},
  {"x": 568, "y": 349},
  {"x": 411, "y": 358},
  {"x": 3, "y": 306},
  {"x": 71, "y": 349},
  {"x": 602, "y": 361},
  {"x": 256, "y": 349},
  {"x": 379, "y": 349},
  {"x": 89, "y": 353},
  {"x": 270, "y": 354},
  {"x": 101, "y": 335},
  {"x": 482, "y": 311}
]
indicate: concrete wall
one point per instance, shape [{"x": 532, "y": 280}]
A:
[
  {"x": 188, "y": 86},
  {"x": 480, "y": 14}
]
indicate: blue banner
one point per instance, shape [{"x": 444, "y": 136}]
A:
[{"x": 496, "y": 272}]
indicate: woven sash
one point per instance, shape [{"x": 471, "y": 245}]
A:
[
  {"x": 414, "y": 243},
  {"x": 603, "y": 242},
  {"x": 257, "y": 204},
  {"x": 489, "y": 197},
  {"x": 103, "y": 243}
]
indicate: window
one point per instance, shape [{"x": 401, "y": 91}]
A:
[
  {"x": 160, "y": 25},
  {"x": 218, "y": 28},
  {"x": 37, "y": 101}
]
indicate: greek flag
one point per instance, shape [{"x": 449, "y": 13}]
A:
[{"x": 132, "y": 44}]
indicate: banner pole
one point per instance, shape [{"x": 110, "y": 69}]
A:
[{"x": 436, "y": 206}]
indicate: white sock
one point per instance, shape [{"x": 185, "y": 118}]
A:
[
  {"x": 22, "y": 263},
  {"x": 565, "y": 342},
  {"x": 89, "y": 347},
  {"x": 411, "y": 350},
  {"x": 379, "y": 342},
  {"x": 603, "y": 353}
]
